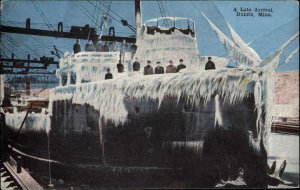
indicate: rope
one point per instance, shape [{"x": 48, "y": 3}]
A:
[
  {"x": 104, "y": 11},
  {"x": 33, "y": 38},
  {"x": 98, "y": 12},
  {"x": 129, "y": 26},
  {"x": 2, "y": 45},
  {"x": 17, "y": 47},
  {"x": 84, "y": 10},
  {"x": 42, "y": 15}
]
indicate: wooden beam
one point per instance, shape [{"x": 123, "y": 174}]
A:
[
  {"x": 59, "y": 34},
  {"x": 26, "y": 73},
  {"x": 21, "y": 64},
  {"x": 28, "y": 61}
]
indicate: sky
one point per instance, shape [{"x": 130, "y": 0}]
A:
[{"x": 264, "y": 34}]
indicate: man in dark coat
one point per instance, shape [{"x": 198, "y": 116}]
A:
[
  {"x": 133, "y": 50},
  {"x": 209, "y": 65},
  {"x": 105, "y": 47},
  {"x": 98, "y": 46},
  {"x": 136, "y": 65},
  {"x": 76, "y": 47},
  {"x": 108, "y": 75},
  {"x": 6, "y": 102},
  {"x": 170, "y": 68},
  {"x": 148, "y": 70},
  {"x": 159, "y": 69},
  {"x": 89, "y": 46},
  {"x": 120, "y": 67},
  {"x": 180, "y": 66}
]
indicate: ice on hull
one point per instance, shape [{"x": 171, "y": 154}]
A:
[
  {"x": 194, "y": 128},
  {"x": 204, "y": 128}
]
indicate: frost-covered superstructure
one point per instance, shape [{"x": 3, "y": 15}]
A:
[
  {"x": 160, "y": 43},
  {"x": 85, "y": 67},
  {"x": 204, "y": 125},
  {"x": 154, "y": 42}
]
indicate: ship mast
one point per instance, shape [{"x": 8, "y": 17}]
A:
[{"x": 138, "y": 16}]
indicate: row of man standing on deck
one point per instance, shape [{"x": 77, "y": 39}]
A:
[
  {"x": 105, "y": 47},
  {"x": 148, "y": 70},
  {"x": 125, "y": 48}
]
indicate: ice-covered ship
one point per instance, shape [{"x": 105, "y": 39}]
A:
[{"x": 193, "y": 128}]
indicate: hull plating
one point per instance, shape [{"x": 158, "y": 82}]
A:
[{"x": 175, "y": 140}]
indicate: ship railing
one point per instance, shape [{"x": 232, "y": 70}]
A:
[
  {"x": 88, "y": 57},
  {"x": 169, "y": 24}
]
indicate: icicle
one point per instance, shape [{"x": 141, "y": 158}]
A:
[
  {"x": 194, "y": 146},
  {"x": 272, "y": 61},
  {"x": 287, "y": 60},
  {"x": 258, "y": 105},
  {"x": 110, "y": 95},
  {"x": 34, "y": 122},
  {"x": 234, "y": 52},
  {"x": 218, "y": 114},
  {"x": 246, "y": 49}
]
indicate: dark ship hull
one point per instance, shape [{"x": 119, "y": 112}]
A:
[{"x": 169, "y": 144}]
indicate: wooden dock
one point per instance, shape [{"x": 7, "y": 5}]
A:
[
  {"x": 16, "y": 177},
  {"x": 286, "y": 125}
]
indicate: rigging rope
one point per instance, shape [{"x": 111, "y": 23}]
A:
[
  {"x": 22, "y": 51},
  {"x": 83, "y": 9},
  {"x": 129, "y": 26},
  {"x": 162, "y": 12},
  {"x": 98, "y": 12},
  {"x": 104, "y": 11},
  {"x": 167, "y": 9},
  {"x": 2, "y": 45},
  {"x": 17, "y": 47},
  {"x": 42, "y": 15},
  {"x": 43, "y": 45},
  {"x": 108, "y": 7},
  {"x": 4, "y": 53},
  {"x": 94, "y": 15}
]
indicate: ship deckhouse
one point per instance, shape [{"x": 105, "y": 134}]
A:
[{"x": 155, "y": 42}]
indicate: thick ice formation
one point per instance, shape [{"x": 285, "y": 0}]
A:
[
  {"x": 34, "y": 122},
  {"x": 233, "y": 85},
  {"x": 267, "y": 68},
  {"x": 242, "y": 55},
  {"x": 272, "y": 61},
  {"x": 229, "y": 86},
  {"x": 87, "y": 66},
  {"x": 244, "y": 47},
  {"x": 164, "y": 47}
]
